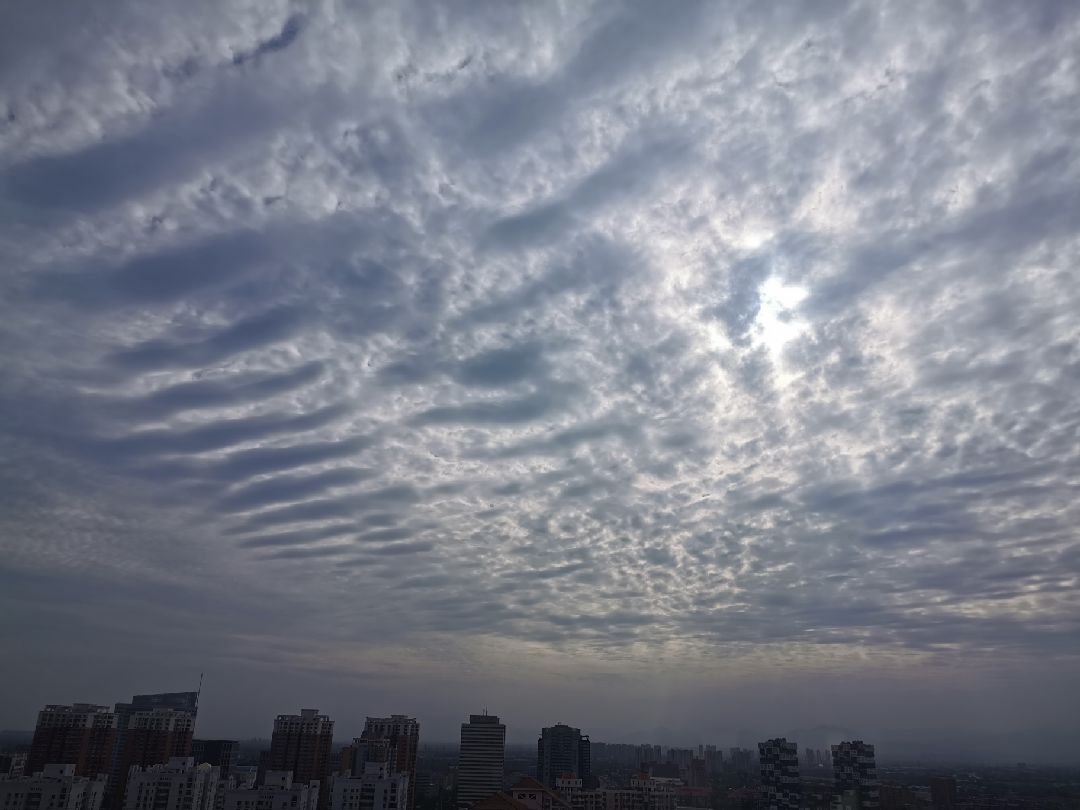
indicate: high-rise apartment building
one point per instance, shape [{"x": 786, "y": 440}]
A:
[
  {"x": 778, "y": 760},
  {"x": 854, "y": 770},
  {"x": 54, "y": 787},
  {"x": 301, "y": 744},
  {"x": 150, "y": 730},
  {"x": 179, "y": 784},
  {"x": 82, "y": 734},
  {"x": 480, "y": 759},
  {"x": 153, "y": 737},
  {"x": 219, "y": 753},
  {"x": 403, "y": 735},
  {"x": 563, "y": 751}
]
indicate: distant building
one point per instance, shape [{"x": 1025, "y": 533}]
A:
[
  {"x": 481, "y": 759},
  {"x": 301, "y": 744},
  {"x": 403, "y": 735},
  {"x": 778, "y": 760},
  {"x": 277, "y": 792},
  {"x": 82, "y": 734},
  {"x": 943, "y": 792},
  {"x": 560, "y": 751},
  {"x": 180, "y": 784},
  {"x": 54, "y": 787},
  {"x": 714, "y": 760},
  {"x": 854, "y": 770},
  {"x": 741, "y": 759},
  {"x": 375, "y": 787},
  {"x": 219, "y": 753},
  {"x": 680, "y": 756},
  {"x": 13, "y": 764}
]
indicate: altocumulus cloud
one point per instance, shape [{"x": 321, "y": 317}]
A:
[{"x": 730, "y": 335}]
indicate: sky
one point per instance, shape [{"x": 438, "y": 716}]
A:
[{"x": 685, "y": 372}]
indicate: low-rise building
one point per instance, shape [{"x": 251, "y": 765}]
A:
[
  {"x": 54, "y": 787},
  {"x": 277, "y": 792}
]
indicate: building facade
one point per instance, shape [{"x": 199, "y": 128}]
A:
[
  {"x": 150, "y": 730},
  {"x": 854, "y": 770},
  {"x": 82, "y": 734},
  {"x": 376, "y": 787},
  {"x": 563, "y": 751},
  {"x": 778, "y": 761},
  {"x": 179, "y": 784},
  {"x": 402, "y": 733},
  {"x": 302, "y": 746},
  {"x": 481, "y": 759},
  {"x": 278, "y": 791},
  {"x": 54, "y": 787},
  {"x": 219, "y": 753}
]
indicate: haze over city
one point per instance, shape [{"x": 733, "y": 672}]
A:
[{"x": 684, "y": 372}]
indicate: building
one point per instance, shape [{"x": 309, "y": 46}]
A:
[
  {"x": 278, "y": 791},
  {"x": 54, "y": 787},
  {"x": 403, "y": 735},
  {"x": 82, "y": 734},
  {"x": 13, "y": 764},
  {"x": 741, "y": 759},
  {"x": 480, "y": 759},
  {"x": 943, "y": 792},
  {"x": 302, "y": 745},
  {"x": 179, "y": 784},
  {"x": 376, "y": 787},
  {"x": 152, "y": 737},
  {"x": 854, "y": 770},
  {"x": 563, "y": 751},
  {"x": 219, "y": 753},
  {"x": 778, "y": 761},
  {"x": 714, "y": 760},
  {"x": 150, "y": 730},
  {"x": 533, "y": 795},
  {"x": 572, "y": 791}
]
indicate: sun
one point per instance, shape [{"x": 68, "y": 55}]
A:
[{"x": 778, "y": 322}]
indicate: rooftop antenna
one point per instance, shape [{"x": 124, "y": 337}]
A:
[{"x": 199, "y": 693}]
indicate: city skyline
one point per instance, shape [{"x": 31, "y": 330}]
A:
[{"x": 685, "y": 372}]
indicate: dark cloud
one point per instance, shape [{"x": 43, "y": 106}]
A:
[
  {"x": 256, "y": 331},
  {"x": 279, "y": 42}
]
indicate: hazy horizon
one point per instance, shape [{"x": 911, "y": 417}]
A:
[{"x": 701, "y": 367}]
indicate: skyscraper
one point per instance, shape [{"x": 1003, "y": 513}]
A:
[
  {"x": 82, "y": 734},
  {"x": 561, "y": 750},
  {"x": 301, "y": 745},
  {"x": 854, "y": 769},
  {"x": 481, "y": 757},
  {"x": 779, "y": 762},
  {"x": 403, "y": 734}
]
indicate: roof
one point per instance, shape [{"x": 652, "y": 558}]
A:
[{"x": 529, "y": 783}]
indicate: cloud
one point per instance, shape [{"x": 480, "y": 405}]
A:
[{"x": 469, "y": 344}]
